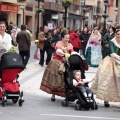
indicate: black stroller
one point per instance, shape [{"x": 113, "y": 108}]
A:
[
  {"x": 75, "y": 62},
  {"x": 10, "y": 66}
]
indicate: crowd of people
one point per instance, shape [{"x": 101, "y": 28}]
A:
[{"x": 99, "y": 48}]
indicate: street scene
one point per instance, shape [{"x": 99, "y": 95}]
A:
[
  {"x": 60, "y": 59},
  {"x": 38, "y": 105}
]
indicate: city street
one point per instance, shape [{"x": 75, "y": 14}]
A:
[{"x": 38, "y": 106}]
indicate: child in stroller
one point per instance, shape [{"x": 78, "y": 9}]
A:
[
  {"x": 84, "y": 97},
  {"x": 79, "y": 85},
  {"x": 10, "y": 67}
]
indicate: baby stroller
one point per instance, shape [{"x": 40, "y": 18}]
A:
[
  {"x": 75, "y": 62},
  {"x": 10, "y": 67}
]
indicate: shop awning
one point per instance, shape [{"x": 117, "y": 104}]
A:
[{"x": 8, "y": 8}]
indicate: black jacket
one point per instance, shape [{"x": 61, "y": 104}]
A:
[
  {"x": 107, "y": 37},
  {"x": 84, "y": 37}
]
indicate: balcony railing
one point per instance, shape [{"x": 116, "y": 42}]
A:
[
  {"x": 98, "y": 10},
  {"x": 58, "y": 7}
]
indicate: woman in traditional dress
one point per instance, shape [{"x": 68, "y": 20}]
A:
[
  {"x": 52, "y": 81},
  {"x": 93, "y": 49},
  {"x": 106, "y": 84}
]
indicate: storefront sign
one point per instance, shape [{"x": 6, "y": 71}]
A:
[
  {"x": 8, "y": 8},
  {"x": 50, "y": 25}
]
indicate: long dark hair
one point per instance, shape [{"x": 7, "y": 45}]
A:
[{"x": 63, "y": 33}]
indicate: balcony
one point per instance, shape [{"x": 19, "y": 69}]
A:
[
  {"x": 52, "y": 6},
  {"x": 73, "y": 9}
]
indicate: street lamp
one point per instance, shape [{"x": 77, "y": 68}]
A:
[
  {"x": 38, "y": 11},
  {"x": 105, "y": 15},
  {"x": 83, "y": 11},
  {"x": 23, "y": 7},
  {"x": 66, "y": 4}
]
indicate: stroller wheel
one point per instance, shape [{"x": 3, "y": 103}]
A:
[
  {"x": 96, "y": 107},
  {"x": 15, "y": 100},
  {"x": 21, "y": 102},
  {"x": 3, "y": 104},
  {"x": 64, "y": 103},
  {"x": 78, "y": 107},
  {"x": 92, "y": 108}
]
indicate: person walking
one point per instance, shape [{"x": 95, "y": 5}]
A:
[
  {"x": 106, "y": 84},
  {"x": 55, "y": 39},
  {"x": 75, "y": 41},
  {"x": 24, "y": 43},
  {"x": 52, "y": 80},
  {"x": 84, "y": 36},
  {"x": 45, "y": 39},
  {"x": 105, "y": 42},
  {"x": 93, "y": 51}
]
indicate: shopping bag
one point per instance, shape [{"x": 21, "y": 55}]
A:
[{"x": 36, "y": 54}]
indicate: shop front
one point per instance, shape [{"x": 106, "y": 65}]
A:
[{"x": 8, "y": 12}]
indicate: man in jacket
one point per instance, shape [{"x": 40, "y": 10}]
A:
[
  {"x": 84, "y": 36},
  {"x": 24, "y": 42},
  {"x": 45, "y": 39}
]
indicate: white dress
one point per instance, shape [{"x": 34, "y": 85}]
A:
[{"x": 5, "y": 42}]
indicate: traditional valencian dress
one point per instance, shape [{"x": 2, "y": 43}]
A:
[
  {"x": 106, "y": 85},
  {"x": 93, "y": 50},
  {"x": 52, "y": 82}
]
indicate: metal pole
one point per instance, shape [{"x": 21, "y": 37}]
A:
[
  {"x": 118, "y": 20},
  {"x": 65, "y": 17},
  {"x": 38, "y": 21},
  {"x": 23, "y": 15},
  {"x": 105, "y": 17},
  {"x": 84, "y": 14}
]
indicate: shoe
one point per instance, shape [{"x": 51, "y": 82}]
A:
[
  {"x": 91, "y": 100},
  {"x": 53, "y": 99},
  {"x": 87, "y": 99},
  {"x": 106, "y": 104},
  {"x": 42, "y": 65}
]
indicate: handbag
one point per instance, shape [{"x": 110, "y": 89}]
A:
[
  {"x": 85, "y": 65},
  {"x": 36, "y": 54}
]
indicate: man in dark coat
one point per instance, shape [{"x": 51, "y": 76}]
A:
[
  {"x": 84, "y": 36},
  {"x": 24, "y": 42}
]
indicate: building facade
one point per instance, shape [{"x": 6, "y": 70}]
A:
[{"x": 79, "y": 14}]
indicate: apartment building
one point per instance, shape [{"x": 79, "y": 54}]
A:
[
  {"x": 54, "y": 11},
  {"x": 80, "y": 13}
]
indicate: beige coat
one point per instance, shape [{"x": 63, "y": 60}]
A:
[{"x": 41, "y": 38}]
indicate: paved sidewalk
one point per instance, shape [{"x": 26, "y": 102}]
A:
[{"x": 30, "y": 80}]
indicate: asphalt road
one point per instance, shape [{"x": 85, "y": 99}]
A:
[{"x": 37, "y": 105}]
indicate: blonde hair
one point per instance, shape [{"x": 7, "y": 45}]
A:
[{"x": 74, "y": 72}]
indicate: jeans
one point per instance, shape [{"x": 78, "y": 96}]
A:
[{"x": 25, "y": 56}]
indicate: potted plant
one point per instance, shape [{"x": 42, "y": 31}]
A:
[
  {"x": 66, "y": 3},
  {"x": 105, "y": 15},
  {"x": 39, "y": 10}
]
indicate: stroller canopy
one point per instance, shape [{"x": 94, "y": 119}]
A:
[
  {"x": 11, "y": 60},
  {"x": 76, "y": 63}
]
